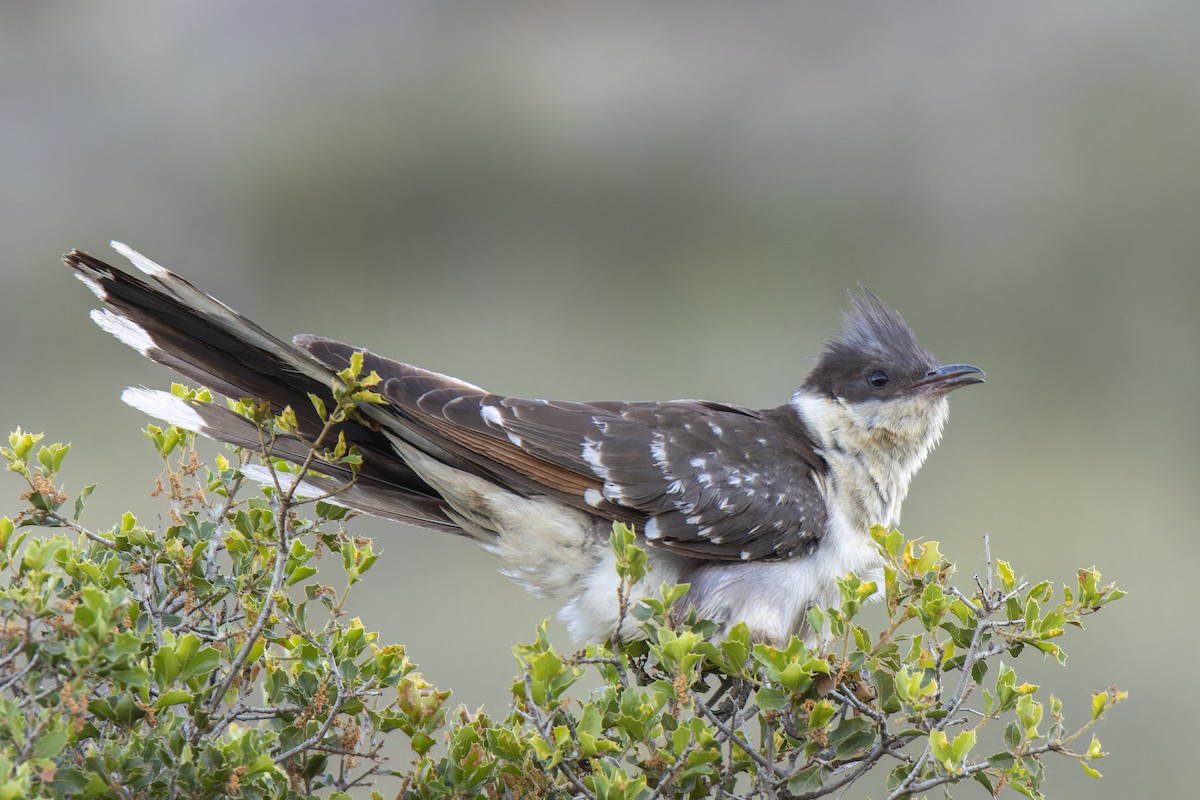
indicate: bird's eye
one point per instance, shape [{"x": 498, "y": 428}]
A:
[{"x": 878, "y": 379}]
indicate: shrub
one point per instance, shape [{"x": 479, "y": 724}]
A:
[{"x": 206, "y": 659}]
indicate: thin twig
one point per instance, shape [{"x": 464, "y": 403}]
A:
[
  {"x": 664, "y": 782},
  {"x": 732, "y": 735},
  {"x": 543, "y": 726},
  {"x": 75, "y": 526},
  {"x": 846, "y": 778},
  {"x": 334, "y": 709},
  {"x": 976, "y": 610},
  {"x": 16, "y": 676}
]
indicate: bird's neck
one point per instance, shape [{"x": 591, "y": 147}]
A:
[{"x": 873, "y": 449}]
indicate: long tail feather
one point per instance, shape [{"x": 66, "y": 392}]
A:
[{"x": 171, "y": 322}]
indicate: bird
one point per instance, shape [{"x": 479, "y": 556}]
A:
[{"x": 759, "y": 511}]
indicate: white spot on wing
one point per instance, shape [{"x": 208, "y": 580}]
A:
[
  {"x": 699, "y": 462},
  {"x": 591, "y": 454},
  {"x": 165, "y": 406},
  {"x": 491, "y": 415},
  {"x": 613, "y": 492},
  {"x": 658, "y": 449},
  {"x": 124, "y": 329},
  {"x": 652, "y": 531},
  {"x": 140, "y": 261}
]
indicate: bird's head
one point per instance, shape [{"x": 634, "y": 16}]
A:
[{"x": 879, "y": 382}]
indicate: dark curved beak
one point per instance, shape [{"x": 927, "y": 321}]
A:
[{"x": 949, "y": 377}]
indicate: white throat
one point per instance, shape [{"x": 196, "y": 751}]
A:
[{"x": 873, "y": 450}]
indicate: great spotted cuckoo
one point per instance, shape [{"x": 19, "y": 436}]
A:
[{"x": 758, "y": 510}]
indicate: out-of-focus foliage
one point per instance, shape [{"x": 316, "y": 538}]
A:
[{"x": 205, "y": 659}]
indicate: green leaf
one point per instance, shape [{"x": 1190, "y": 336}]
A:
[
  {"x": 172, "y": 698},
  {"x": 319, "y": 406},
  {"x": 50, "y": 743},
  {"x": 772, "y": 699},
  {"x": 820, "y": 714},
  {"x": 204, "y": 662},
  {"x": 22, "y": 443},
  {"x": 300, "y": 573},
  {"x": 631, "y": 559},
  {"x": 263, "y": 763},
  {"x": 1006, "y": 691},
  {"x": 81, "y": 499},
  {"x": 929, "y": 559},
  {"x": 1007, "y": 578},
  {"x": 894, "y": 542},
  {"x": 885, "y": 687},
  {"x": 1012, "y": 735},
  {"x": 1029, "y": 713},
  {"x": 815, "y": 618},
  {"x": 421, "y": 742},
  {"x": 1001, "y": 761},
  {"x": 71, "y": 781},
  {"x": 1022, "y": 788},
  {"x": 806, "y": 781},
  {"x": 186, "y": 647},
  {"x": 852, "y": 737},
  {"x": 329, "y": 511},
  {"x": 939, "y": 745},
  {"x": 51, "y": 456},
  {"x": 166, "y": 665},
  {"x": 736, "y": 646},
  {"x": 962, "y": 745},
  {"x": 982, "y": 779}
]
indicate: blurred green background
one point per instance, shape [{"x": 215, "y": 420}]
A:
[{"x": 655, "y": 202}]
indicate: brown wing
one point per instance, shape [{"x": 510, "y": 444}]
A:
[{"x": 704, "y": 479}]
